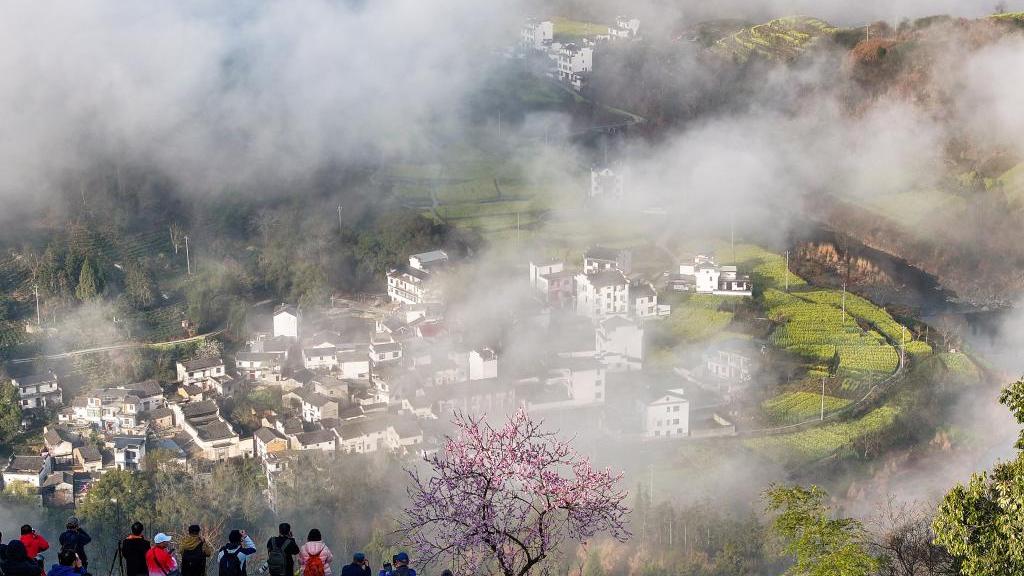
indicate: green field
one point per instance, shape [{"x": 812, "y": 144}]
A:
[
  {"x": 960, "y": 365},
  {"x": 794, "y": 407},
  {"x": 817, "y": 443},
  {"x": 567, "y": 30},
  {"x": 780, "y": 39}
]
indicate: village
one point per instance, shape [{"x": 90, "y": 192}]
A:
[
  {"x": 365, "y": 379},
  {"x": 569, "y": 62}
]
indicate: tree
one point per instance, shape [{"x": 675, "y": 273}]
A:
[
  {"x": 139, "y": 287},
  {"x": 507, "y": 498},
  {"x": 88, "y": 285},
  {"x": 904, "y": 541},
  {"x": 10, "y": 412},
  {"x": 820, "y": 544},
  {"x": 208, "y": 348},
  {"x": 980, "y": 523}
]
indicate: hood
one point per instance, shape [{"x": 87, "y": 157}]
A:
[
  {"x": 59, "y": 570},
  {"x": 190, "y": 542},
  {"x": 16, "y": 551}
]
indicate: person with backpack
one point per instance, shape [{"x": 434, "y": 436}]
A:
[
  {"x": 18, "y": 562},
  {"x": 74, "y": 538},
  {"x": 281, "y": 551},
  {"x": 232, "y": 556},
  {"x": 68, "y": 564},
  {"x": 159, "y": 560},
  {"x": 194, "y": 552},
  {"x": 314, "y": 556},
  {"x": 133, "y": 550},
  {"x": 402, "y": 566}
]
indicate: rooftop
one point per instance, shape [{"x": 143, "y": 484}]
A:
[
  {"x": 25, "y": 464},
  {"x": 122, "y": 442},
  {"x": 90, "y": 453},
  {"x": 286, "y": 309},
  {"x": 431, "y": 257},
  {"x": 600, "y": 252},
  {"x": 315, "y": 437},
  {"x": 195, "y": 409},
  {"x": 607, "y": 278},
  {"x": 218, "y": 430},
  {"x": 202, "y": 363}
]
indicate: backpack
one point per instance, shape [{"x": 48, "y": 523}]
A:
[
  {"x": 194, "y": 561},
  {"x": 230, "y": 563},
  {"x": 277, "y": 560},
  {"x": 314, "y": 565}
]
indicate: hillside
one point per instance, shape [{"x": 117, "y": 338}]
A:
[{"x": 780, "y": 39}]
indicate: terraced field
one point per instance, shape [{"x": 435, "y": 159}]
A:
[
  {"x": 568, "y": 30},
  {"x": 794, "y": 407},
  {"x": 817, "y": 443},
  {"x": 781, "y": 39}
]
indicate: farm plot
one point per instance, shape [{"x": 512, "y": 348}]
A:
[
  {"x": 794, "y": 407},
  {"x": 817, "y": 443}
]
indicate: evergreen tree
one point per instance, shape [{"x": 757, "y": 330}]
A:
[
  {"x": 139, "y": 287},
  {"x": 10, "y": 412},
  {"x": 88, "y": 285}
]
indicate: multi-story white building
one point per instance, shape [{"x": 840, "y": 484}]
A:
[
  {"x": 286, "y": 321},
  {"x": 625, "y": 27},
  {"x": 408, "y": 285},
  {"x": 354, "y": 364},
  {"x": 31, "y": 470},
  {"x": 667, "y": 414},
  {"x": 606, "y": 183},
  {"x": 704, "y": 276},
  {"x": 129, "y": 452},
  {"x": 620, "y": 344},
  {"x": 385, "y": 352},
  {"x": 212, "y": 435},
  {"x": 254, "y": 366},
  {"x": 574, "y": 59},
  {"x": 598, "y": 258},
  {"x": 323, "y": 440},
  {"x": 320, "y": 358},
  {"x": 643, "y": 300},
  {"x": 39, "y": 391},
  {"x": 602, "y": 294},
  {"x": 536, "y": 33},
  {"x": 117, "y": 410},
  {"x": 483, "y": 364}
]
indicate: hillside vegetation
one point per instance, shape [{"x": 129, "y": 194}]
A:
[{"x": 781, "y": 39}]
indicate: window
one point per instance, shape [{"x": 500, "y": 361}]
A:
[
  {"x": 657, "y": 432},
  {"x": 675, "y": 408},
  {"x": 675, "y": 421},
  {"x": 659, "y": 423},
  {"x": 679, "y": 431}
]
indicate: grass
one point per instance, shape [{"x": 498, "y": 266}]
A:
[
  {"x": 817, "y": 443},
  {"x": 794, "y": 407},
  {"x": 960, "y": 365},
  {"x": 696, "y": 318},
  {"x": 568, "y": 30}
]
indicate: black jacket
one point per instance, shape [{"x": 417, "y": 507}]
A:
[
  {"x": 18, "y": 563},
  {"x": 77, "y": 539},
  {"x": 134, "y": 552},
  {"x": 355, "y": 570},
  {"x": 289, "y": 547}
]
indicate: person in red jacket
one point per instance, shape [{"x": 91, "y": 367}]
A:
[
  {"x": 159, "y": 561},
  {"x": 34, "y": 544}
]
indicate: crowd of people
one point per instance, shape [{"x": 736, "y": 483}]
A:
[{"x": 164, "y": 557}]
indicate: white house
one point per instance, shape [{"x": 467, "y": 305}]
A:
[
  {"x": 317, "y": 407},
  {"x": 39, "y": 390},
  {"x": 385, "y": 352},
  {"x": 540, "y": 269},
  {"x": 643, "y": 299},
  {"x": 129, "y": 452},
  {"x": 117, "y": 410},
  {"x": 536, "y": 33},
  {"x": 620, "y": 344},
  {"x": 258, "y": 365},
  {"x": 598, "y": 258},
  {"x": 58, "y": 444},
  {"x": 268, "y": 441},
  {"x": 286, "y": 321},
  {"x": 320, "y": 358},
  {"x": 367, "y": 435},
  {"x": 324, "y": 440},
  {"x": 730, "y": 360},
  {"x": 198, "y": 370},
  {"x": 31, "y": 470},
  {"x": 429, "y": 261},
  {"x": 408, "y": 285},
  {"x": 210, "y": 433},
  {"x": 88, "y": 458},
  {"x": 602, "y": 294},
  {"x": 667, "y": 414},
  {"x": 574, "y": 59},
  {"x": 625, "y": 27},
  {"x": 354, "y": 364},
  {"x": 483, "y": 364},
  {"x": 704, "y": 276},
  {"x": 606, "y": 183}
]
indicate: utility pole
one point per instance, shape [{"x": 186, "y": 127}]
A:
[
  {"x": 188, "y": 260},
  {"x": 822, "y": 398},
  {"x": 844, "y": 303},
  {"x": 35, "y": 288},
  {"x": 787, "y": 271},
  {"x": 903, "y": 345},
  {"x": 499, "y": 123},
  {"x": 732, "y": 235},
  {"x": 517, "y": 231},
  {"x": 339, "y": 217}
]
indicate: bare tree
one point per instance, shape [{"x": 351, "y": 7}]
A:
[{"x": 902, "y": 536}]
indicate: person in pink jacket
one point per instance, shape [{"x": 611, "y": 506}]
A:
[{"x": 315, "y": 546}]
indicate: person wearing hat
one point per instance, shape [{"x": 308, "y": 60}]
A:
[
  {"x": 76, "y": 539},
  {"x": 359, "y": 566},
  {"x": 159, "y": 560},
  {"x": 402, "y": 565}
]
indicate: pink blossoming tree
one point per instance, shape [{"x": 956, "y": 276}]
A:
[{"x": 505, "y": 499}]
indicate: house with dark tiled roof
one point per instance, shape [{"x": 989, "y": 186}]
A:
[
  {"x": 30, "y": 470},
  {"x": 197, "y": 370}
]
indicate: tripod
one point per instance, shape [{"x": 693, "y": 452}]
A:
[{"x": 118, "y": 559}]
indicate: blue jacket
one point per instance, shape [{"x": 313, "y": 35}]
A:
[{"x": 59, "y": 570}]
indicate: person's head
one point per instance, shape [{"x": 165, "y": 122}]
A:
[
  {"x": 284, "y": 529},
  {"x": 401, "y": 559},
  {"x": 72, "y": 523},
  {"x": 26, "y": 529},
  {"x": 314, "y": 536},
  {"x": 67, "y": 557},
  {"x": 387, "y": 565},
  {"x": 235, "y": 537},
  {"x": 137, "y": 528},
  {"x": 447, "y": 573},
  {"x": 194, "y": 530},
  {"x": 359, "y": 558},
  {"x": 16, "y": 551},
  {"x": 161, "y": 540}
]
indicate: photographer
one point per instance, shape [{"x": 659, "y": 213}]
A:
[
  {"x": 233, "y": 556},
  {"x": 34, "y": 545},
  {"x": 281, "y": 551},
  {"x": 74, "y": 538},
  {"x": 68, "y": 564},
  {"x": 133, "y": 550}
]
